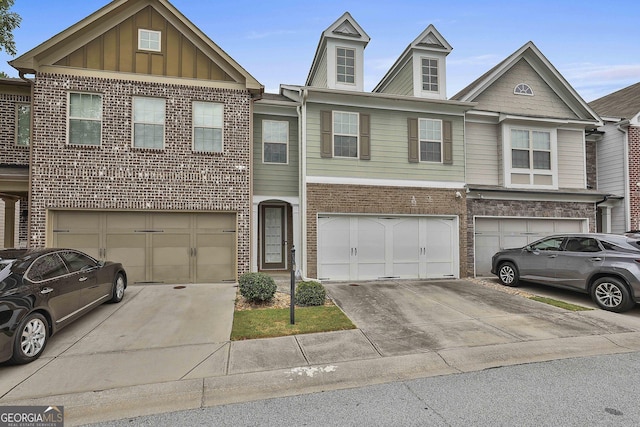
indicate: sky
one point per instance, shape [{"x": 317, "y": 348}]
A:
[{"x": 594, "y": 45}]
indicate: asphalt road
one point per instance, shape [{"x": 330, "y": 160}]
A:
[{"x": 599, "y": 390}]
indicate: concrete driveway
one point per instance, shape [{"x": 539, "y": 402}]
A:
[
  {"x": 157, "y": 333},
  {"x": 403, "y": 317}
]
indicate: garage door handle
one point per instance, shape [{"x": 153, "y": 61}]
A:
[{"x": 46, "y": 291}]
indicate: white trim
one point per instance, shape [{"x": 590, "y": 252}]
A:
[
  {"x": 383, "y": 182},
  {"x": 133, "y": 123},
  {"x": 100, "y": 120},
  {"x": 507, "y": 152},
  {"x": 333, "y": 134},
  {"x": 286, "y": 142},
  {"x": 193, "y": 127},
  {"x": 149, "y": 49}
]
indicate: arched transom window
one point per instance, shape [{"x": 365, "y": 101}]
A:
[{"x": 523, "y": 89}]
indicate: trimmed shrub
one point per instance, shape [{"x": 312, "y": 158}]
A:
[
  {"x": 310, "y": 293},
  {"x": 257, "y": 287}
]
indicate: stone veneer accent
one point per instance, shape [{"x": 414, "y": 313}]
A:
[
  {"x": 115, "y": 176},
  {"x": 10, "y": 153},
  {"x": 522, "y": 208},
  {"x": 357, "y": 199},
  {"x": 591, "y": 163},
  {"x": 634, "y": 176}
]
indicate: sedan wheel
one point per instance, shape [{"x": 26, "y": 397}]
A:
[
  {"x": 611, "y": 294},
  {"x": 119, "y": 284},
  {"x": 508, "y": 274},
  {"x": 30, "y": 339}
]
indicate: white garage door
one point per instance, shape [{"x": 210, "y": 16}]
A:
[
  {"x": 167, "y": 247},
  {"x": 368, "y": 247},
  {"x": 495, "y": 234}
]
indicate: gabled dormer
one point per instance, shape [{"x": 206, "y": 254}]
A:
[
  {"x": 421, "y": 69},
  {"x": 339, "y": 59}
]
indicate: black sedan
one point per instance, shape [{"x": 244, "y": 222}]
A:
[{"x": 44, "y": 290}]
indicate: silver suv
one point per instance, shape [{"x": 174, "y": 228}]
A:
[{"x": 606, "y": 266}]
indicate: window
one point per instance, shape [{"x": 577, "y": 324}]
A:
[
  {"x": 346, "y": 65},
  {"x": 550, "y": 244},
  {"x": 85, "y": 119},
  {"x": 430, "y": 140},
  {"x": 582, "y": 244},
  {"x": 345, "y": 134},
  {"x": 23, "y": 124},
  {"x": 148, "y": 122},
  {"x": 523, "y": 89},
  {"x": 430, "y": 74},
  {"x": 275, "y": 136},
  {"x": 149, "y": 40},
  {"x": 47, "y": 267},
  {"x": 207, "y": 126},
  {"x": 530, "y": 149},
  {"x": 76, "y": 261}
]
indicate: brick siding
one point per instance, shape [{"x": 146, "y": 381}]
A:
[
  {"x": 591, "y": 163},
  {"x": 115, "y": 176},
  {"x": 328, "y": 198}
]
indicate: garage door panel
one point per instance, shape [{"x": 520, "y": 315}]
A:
[
  {"x": 129, "y": 249},
  {"x": 218, "y": 222},
  {"x": 439, "y": 248},
  {"x": 170, "y": 257},
  {"x": 77, "y": 220},
  {"x": 171, "y": 220},
  {"x": 215, "y": 257},
  {"x": 88, "y": 243},
  {"x": 130, "y": 221}
]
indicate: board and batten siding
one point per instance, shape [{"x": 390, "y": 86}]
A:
[
  {"x": 273, "y": 179},
  {"x": 499, "y": 97},
  {"x": 611, "y": 172},
  {"x": 402, "y": 83},
  {"x": 389, "y": 148},
  {"x": 571, "y": 159},
  {"x": 483, "y": 151}
]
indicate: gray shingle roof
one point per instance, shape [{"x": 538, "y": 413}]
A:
[{"x": 623, "y": 104}]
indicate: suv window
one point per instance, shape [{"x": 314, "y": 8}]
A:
[
  {"x": 582, "y": 244},
  {"x": 47, "y": 267},
  {"x": 550, "y": 244}
]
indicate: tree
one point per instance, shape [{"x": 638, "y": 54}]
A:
[{"x": 9, "y": 21}]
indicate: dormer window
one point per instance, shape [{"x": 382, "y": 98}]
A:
[
  {"x": 149, "y": 40},
  {"x": 346, "y": 65},
  {"x": 523, "y": 89},
  {"x": 430, "y": 74}
]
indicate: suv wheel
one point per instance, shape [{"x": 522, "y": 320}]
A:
[
  {"x": 508, "y": 274},
  {"x": 611, "y": 294}
]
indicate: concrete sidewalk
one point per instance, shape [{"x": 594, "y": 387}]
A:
[{"x": 166, "y": 349}]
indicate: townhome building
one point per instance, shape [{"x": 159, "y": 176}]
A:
[
  {"x": 133, "y": 136},
  {"x": 618, "y": 142},
  {"x": 140, "y": 146},
  {"x": 530, "y": 169}
]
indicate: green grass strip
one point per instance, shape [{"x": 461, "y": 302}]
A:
[
  {"x": 275, "y": 322},
  {"x": 560, "y": 304}
]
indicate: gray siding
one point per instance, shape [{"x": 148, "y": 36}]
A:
[
  {"x": 483, "y": 154},
  {"x": 611, "y": 172},
  {"x": 320, "y": 78},
  {"x": 270, "y": 179},
  {"x": 389, "y": 149},
  {"x": 571, "y": 159},
  {"x": 499, "y": 96},
  {"x": 402, "y": 83}
]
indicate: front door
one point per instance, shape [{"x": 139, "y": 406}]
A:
[{"x": 273, "y": 237}]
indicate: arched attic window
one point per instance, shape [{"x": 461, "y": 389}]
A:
[{"x": 523, "y": 89}]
